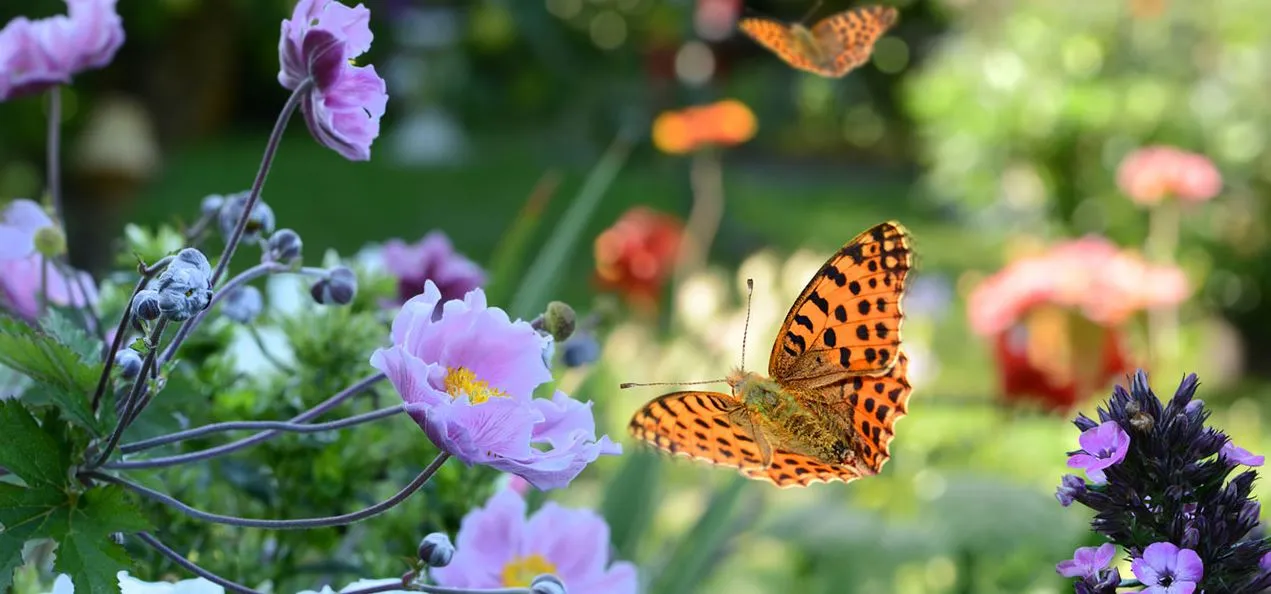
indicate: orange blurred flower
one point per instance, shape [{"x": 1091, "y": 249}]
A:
[
  {"x": 723, "y": 123},
  {"x": 637, "y": 254},
  {"x": 1056, "y": 318},
  {"x": 1152, "y": 174}
]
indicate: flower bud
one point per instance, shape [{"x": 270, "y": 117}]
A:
[
  {"x": 1071, "y": 487},
  {"x": 128, "y": 362},
  {"x": 285, "y": 246},
  {"x": 145, "y": 305},
  {"x": 559, "y": 320},
  {"x": 339, "y": 287},
  {"x": 50, "y": 241},
  {"x": 243, "y": 304},
  {"x": 184, "y": 289},
  {"x": 193, "y": 258},
  {"x": 436, "y": 550},
  {"x": 547, "y": 584},
  {"x": 260, "y": 223},
  {"x": 580, "y": 350},
  {"x": 211, "y": 204}
]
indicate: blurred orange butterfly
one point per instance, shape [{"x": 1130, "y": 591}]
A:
[
  {"x": 833, "y": 47},
  {"x": 837, "y": 380}
]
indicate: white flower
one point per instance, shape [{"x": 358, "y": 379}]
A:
[
  {"x": 132, "y": 585},
  {"x": 359, "y": 585}
]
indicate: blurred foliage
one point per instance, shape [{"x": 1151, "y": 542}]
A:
[{"x": 1025, "y": 110}]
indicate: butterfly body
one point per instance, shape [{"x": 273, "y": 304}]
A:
[
  {"x": 833, "y": 47},
  {"x": 836, "y": 384}
]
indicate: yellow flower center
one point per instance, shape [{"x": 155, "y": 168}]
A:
[
  {"x": 461, "y": 380},
  {"x": 519, "y": 572}
]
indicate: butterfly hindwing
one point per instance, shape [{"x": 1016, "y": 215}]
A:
[
  {"x": 847, "y": 320},
  {"x": 705, "y": 426},
  {"x": 850, "y": 36},
  {"x": 779, "y": 39}
]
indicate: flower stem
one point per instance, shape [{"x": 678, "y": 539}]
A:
[
  {"x": 53, "y": 156},
  {"x": 264, "y": 351},
  {"x": 131, "y": 404},
  {"x": 188, "y": 327},
  {"x": 444, "y": 590},
  {"x": 109, "y": 358},
  {"x": 271, "y": 149},
  {"x": 233, "y": 446},
  {"x": 706, "y": 177},
  {"x": 1162, "y": 323},
  {"x": 191, "y": 566},
  {"x": 298, "y": 524},
  {"x": 44, "y": 285},
  {"x": 179, "y": 436}
]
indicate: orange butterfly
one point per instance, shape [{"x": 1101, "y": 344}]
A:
[
  {"x": 832, "y": 47},
  {"x": 837, "y": 387}
]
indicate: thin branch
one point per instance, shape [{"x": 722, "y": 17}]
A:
[
  {"x": 188, "y": 327},
  {"x": 131, "y": 407},
  {"x": 179, "y": 436},
  {"x": 191, "y": 566},
  {"x": 298, "y": 524},
  {"x": 234, "y": 446},
  {"x": 120, "y": 330}
]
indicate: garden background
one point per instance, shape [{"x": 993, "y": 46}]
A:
[{"x": 992, "y": 129}]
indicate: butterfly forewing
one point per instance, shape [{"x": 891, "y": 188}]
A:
[
  {"x": 847, "y": 320},
  {"x": 705, "y": 426},
  {"x": 850, "y": 36}
]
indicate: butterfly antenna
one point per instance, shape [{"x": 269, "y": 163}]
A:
[
  {"x": 811, "y": 11},
  {"x": 750, "y": 294},
  {"x": 626, "y": 385}
]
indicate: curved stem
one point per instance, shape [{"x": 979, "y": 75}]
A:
[
  {"x": 265, "y": 352},
  {"x": 179, "y": 436},
  {"x": 445, "y": 590},
  {"x": 271, "y": 149},
  {"x": 188, "y": 327},
  {"x": 191, "y": 566},
  {"x": 233, "y": 446},
  {"x": 109, "y": 359},
  {"x": 321, "y": 522},
  {"x": 53, "y": 155},
  {"x": 131, "y": 405}
]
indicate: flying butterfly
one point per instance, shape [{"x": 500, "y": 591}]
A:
[
  {"x": 831, "y": 48},
  {"x": 837, "y": 380}
]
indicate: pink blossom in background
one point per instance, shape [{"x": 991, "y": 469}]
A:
[
  {"x": 36, "y": 55},
  {"x": 432, "y": 258},
  {"x": 343, "y": 108},
  {"x": 1152, "y": 174},
  {"x": 499, "y": 547},
  {"x": 1090, "y": 274},
  {"x": 21, "y": 266}
]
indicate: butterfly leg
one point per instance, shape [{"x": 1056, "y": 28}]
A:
[{"x": 744, "y": 418}]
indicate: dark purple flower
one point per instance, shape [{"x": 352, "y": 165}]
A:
[
  {"x": 1235, "y": 454},
  {"x": 432, "y": 258},
  {"x": 344, "y": 106},
  {"x": 1101, "y": 447},
  {"x": 1087, "y": 561},
  {"x": 36, "y": 55},
  {"x": 1265, "y": 562},
  {"x": 1167, "y": 569},
  {"x": 468, "y": 379},
  {"x": 1070, "y": 487}
]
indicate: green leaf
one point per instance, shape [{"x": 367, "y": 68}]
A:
[
  {"x": 26, "y": 514},
  {"x": 43, "y": 358},
  {"x": 541, "y": 277},
  {"x": 630, "y": 501},
  {"x": 693, "y": 557},
  {"x": 28, "y": 450},
  {"x": 61, "y": 327},
  {"x": 85, "y": 550},
  {"x": 74, "y": 407}
]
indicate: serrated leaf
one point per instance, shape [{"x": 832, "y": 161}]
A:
[
  {"x": 61, "y": 327},
  {"x": 44, "y": 359},
  {"x": 25, "y": 514},
  {"x": 85, "y": 550},
  {"x": 29, "y": 451}
]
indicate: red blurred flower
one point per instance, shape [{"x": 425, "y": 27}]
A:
[
  {"x": 637, "y": 254},
  {"x": 1056, "y": 318},
  {"x": 714, "y": 19},
  {"x": 1152, "y": 174}
]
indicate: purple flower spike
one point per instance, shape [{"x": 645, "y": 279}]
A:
[
  {"x": 1102, "y": 446},
  {"x": 434, "y": 259},
  {"x": 1235, "y": 454},
  {"x": 1167, "y": 569},
  {"x": 498, "y": 547},
  {"x": 468, "y": 379},
  {"x": 36, "y": 55},
  {"x": 1086, "y": 562},
  {"x": 344, "y": 106}
]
